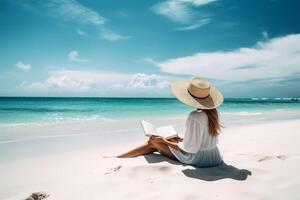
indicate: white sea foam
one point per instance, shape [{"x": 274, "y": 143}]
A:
[
  {"x": 286, "y": 99},
  {"x": 55, "y": 121},
  {"x": 263, "y": 98},
  {"x": 243, "y": 113},
  {"x": 276, "y": 99}
]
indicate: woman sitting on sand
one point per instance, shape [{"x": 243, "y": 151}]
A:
[{"x": 199, "y": 145}]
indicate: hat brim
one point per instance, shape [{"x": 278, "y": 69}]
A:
[{"x": 214, "y": 99}]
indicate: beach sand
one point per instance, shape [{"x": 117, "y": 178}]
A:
[{"x": 262, "y": 162}]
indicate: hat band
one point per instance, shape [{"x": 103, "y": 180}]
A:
[{"x": 196, "y": 96}]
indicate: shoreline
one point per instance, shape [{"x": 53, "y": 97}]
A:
[
  {"x": 137, "y": 129},
  {"x": 108, "y": 126}
]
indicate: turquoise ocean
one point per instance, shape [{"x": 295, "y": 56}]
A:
[{"x": 25, "y": 110}]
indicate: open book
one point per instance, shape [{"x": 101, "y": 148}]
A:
[{"x": 164, "y": 131}]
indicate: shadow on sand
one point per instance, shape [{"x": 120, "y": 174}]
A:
[{"x": 219, "y": 172}]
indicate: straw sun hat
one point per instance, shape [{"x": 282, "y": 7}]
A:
[{"x": 197, "y": 93}]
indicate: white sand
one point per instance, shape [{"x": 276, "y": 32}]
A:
[{"x": 270, "y": 152}]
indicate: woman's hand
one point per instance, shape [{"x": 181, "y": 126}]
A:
[
  {"x": 158, "y": 139},
  {"x": 175, "y": 139}
]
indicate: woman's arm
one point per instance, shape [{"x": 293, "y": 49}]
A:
[
  {"x": 172, "y": 144},
  {"x": 175, "y": 139}
]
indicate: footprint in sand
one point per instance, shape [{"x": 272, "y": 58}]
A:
[
  {"x": 281, "y": 157},
  {"x": 265, "y": 158},
  {"x": 150, "y": 180},
  {"x": 262, "y": 158},
  {"x": 163, "y": 168},
  {"x": 151, "y": 169},
  {"x": 114, "y": 169},
  {"x": 38, "y": 196}
]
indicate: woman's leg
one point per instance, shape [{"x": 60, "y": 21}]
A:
[
  {"x": 141, "y": 150},
  {"x": 161, "y": 148},
  {"x": 149, "y": 147}
]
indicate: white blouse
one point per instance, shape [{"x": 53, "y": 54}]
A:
[{"x": 196, "y": 137}]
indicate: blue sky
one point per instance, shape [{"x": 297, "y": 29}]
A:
[{"x": 139, "y": 48}]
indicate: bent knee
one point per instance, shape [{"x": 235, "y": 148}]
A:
[
  {"x": 153, "y": 144},
  {"x": 150, "y": 143}
]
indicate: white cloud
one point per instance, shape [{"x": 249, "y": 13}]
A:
[
  {"x": 74, "y": 11},
  {"x": 265, "y": 35},
  {"x": 144, "y": 81},
  {"x": 23, "y": 66},
  {"x": 176, "y": 11},
  {"x": 80, "y": 32},
  {"x": 147, "y": 60},
  {"x": 112, "y": 35},
  {"x": 104, "y": 82},
  {"x": 182, "y": 12},
  {"x": 77, "y": 80},
  {"x": 198, "y": 2},
  {"x": 69, "y": 10},
  {"x": 74, "y": 56},
  {"x": 277, "y": 57},
  {"x": 196, "y": 25}
]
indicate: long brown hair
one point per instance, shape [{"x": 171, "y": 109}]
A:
[{"x": 214, "y": 125}]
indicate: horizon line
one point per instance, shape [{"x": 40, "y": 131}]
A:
[{"x": 134, "y": 97}]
